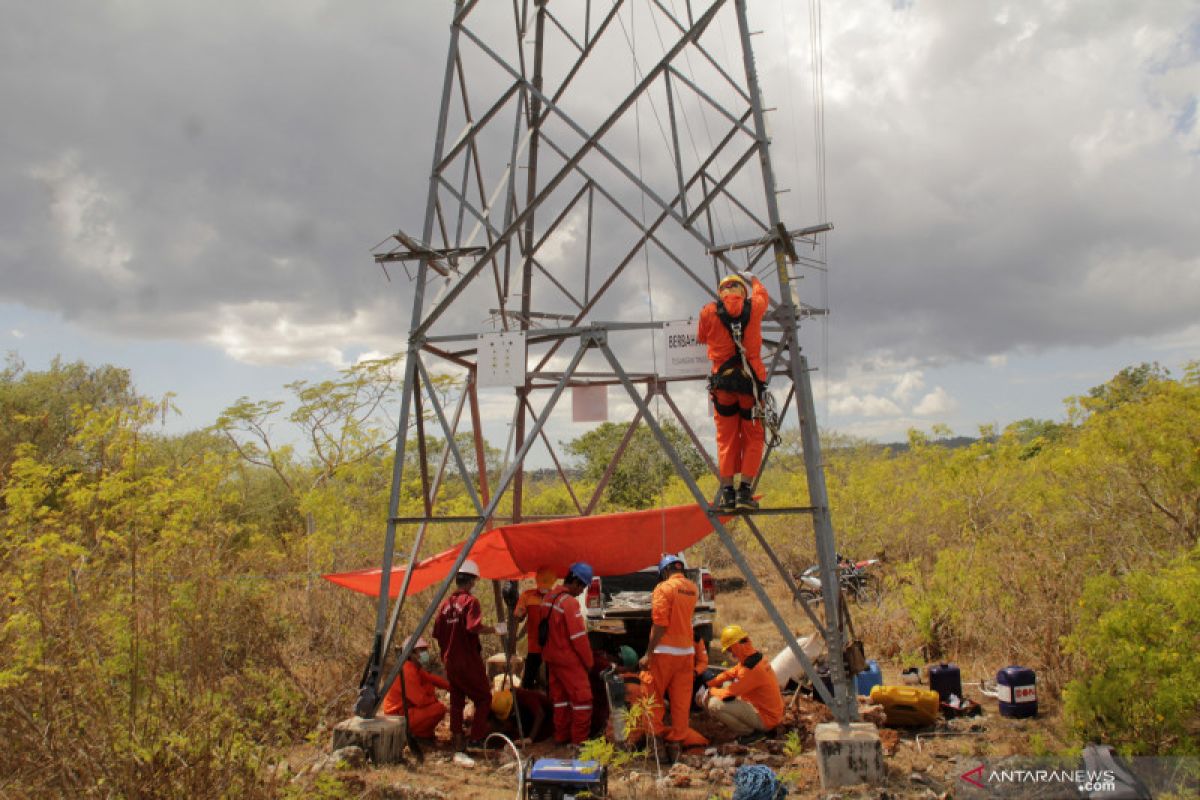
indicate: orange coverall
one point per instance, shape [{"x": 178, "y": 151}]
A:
[
  {"x": 531, "y": 608},
  {"x": 568, "y": 658},
  {"x": 637, "y": 686},
  {"x": 425, "y": 711},
  {"x": 740, "y": 437},
  {"x": 756, "y": 684},
  {"x": 672, "y": 604}
]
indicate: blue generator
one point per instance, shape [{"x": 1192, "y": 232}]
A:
[{"x": 564, "y": 779}]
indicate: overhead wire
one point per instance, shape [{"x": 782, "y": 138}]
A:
[
  {"x": 646, "y": 257},
  {"x": 818, "y": 79}
]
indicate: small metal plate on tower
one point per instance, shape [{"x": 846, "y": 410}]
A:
[
  {"x": 683, "y": 356},
  {"x": 589, "y": 404},
  {"x": 501, "y": 359}
]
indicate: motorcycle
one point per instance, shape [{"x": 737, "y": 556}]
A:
[{"x": 858, "y": 579}]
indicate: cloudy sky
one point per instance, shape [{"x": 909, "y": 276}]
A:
[{"x": 192, "y": 190}]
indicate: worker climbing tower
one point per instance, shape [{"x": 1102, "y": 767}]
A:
[{"x": 597, "y": 166}]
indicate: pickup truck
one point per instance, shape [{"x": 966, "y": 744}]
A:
[{"x": 618, "y": 607}]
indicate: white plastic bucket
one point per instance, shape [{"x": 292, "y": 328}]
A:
[{"x": 787, "y": 666}]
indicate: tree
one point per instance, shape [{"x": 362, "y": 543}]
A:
[
  {"x": 643, "y": 470},
  {"x": 1127, "y": 386},
  {"x": 41, "y": 409}
]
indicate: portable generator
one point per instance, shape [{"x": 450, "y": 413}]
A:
[{"x": 564, "y": 779}]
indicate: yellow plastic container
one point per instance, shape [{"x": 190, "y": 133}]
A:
[{"x": 907, "y": 706}]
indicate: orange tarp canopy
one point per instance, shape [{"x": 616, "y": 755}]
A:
[{"x": 612, "y": 543}]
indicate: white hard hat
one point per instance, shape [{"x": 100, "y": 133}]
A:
[
  {"x": 469, "y": 567},
  {"x": 420, "y": 642}
]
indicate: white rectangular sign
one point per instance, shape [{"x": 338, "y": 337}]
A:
[
  {"x": 683, "y": 356},
  {"x": 501, "y": 359}
]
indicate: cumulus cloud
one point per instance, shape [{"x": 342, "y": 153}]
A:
[
  {"x": 222, "y": 176},
  {"x": 909, "y": 384},
  {"x": 867, "y": 406},
  {"x": 936, "y": 402}
]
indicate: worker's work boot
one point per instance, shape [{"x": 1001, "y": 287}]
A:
[
  {"x": 745, "y": 500},
  {"x": 726, "y": 499}
]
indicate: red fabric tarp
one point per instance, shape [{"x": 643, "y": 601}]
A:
[{"x": 612, "y": 543}]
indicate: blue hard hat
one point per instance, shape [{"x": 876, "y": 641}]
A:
[
  {"x": 581, "y": 571},
  {"x": 668, "y": 560}
]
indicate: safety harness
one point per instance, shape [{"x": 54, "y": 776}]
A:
[{"x": 736, "y": 375}]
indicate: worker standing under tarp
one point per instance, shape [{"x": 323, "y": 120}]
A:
[
  {"x": 737, "y": 381},
  {"x": 670, "y": 653},
  {"x": 745, "y": 698},
  {"x": 530, "y": 609},
  {"x": 425, "y": 711},
  {"x": 568, "y": 656},
  {"x": 699, "y": 663},
  {"x": 457, "y": 629}
]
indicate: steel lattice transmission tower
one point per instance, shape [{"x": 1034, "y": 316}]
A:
[{"x": 591, "y": 155}]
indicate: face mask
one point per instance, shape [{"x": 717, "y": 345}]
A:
[
  {"x": 733, "y": 303},
  {"x": 425, "y": 658}
]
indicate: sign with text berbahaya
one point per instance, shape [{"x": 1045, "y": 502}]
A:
[
  {"x": 683, "y": 356},
  {"x": 501, "y": 359}
]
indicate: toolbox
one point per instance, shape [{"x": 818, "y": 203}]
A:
[{"x": 564, "y": 779}]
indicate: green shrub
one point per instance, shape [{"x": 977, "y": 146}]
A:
[{"x": 1137, "y": 638}]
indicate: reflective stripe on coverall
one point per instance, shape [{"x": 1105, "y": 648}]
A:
[
  {"x": 672, "y": 604},
  {"x": 568, "y": 658},
  {"x": 457, "y": 632}
]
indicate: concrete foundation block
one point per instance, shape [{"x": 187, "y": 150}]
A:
[
  {"x": 382, "y": 738},
  {"x": 849, "y": 754}
]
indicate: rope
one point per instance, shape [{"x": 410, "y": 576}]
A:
[
  {"x": 757, "y": 783},
  {"x": 765, "y": 407}
]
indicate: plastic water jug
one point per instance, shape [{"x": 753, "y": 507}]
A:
[
  {"x": 946, "y": 680},
  {"x": 1016, "y": 689},
  {"x": 907, "y": 705},
  {"x": 867, "y": 679}
]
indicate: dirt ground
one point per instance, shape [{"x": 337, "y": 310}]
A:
[{"x": 924, "y": 763}]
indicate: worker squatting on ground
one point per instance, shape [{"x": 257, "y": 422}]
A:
[
  {"x": 425, "y": 711},
  {"x": 670, "y": 653},
  {"x": 530, "y": 609},
  {"x": 457, "y": 628},
  {"x": 568, "y": 656},
  {"x": 740, "y": 434},
  {"x": 746, "y": 697}
]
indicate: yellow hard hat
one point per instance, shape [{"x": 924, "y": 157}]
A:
[
  {"x": 502, "y": 703},
  {"x": 734, "y": 279},
  {"x": 731, "y": 635}
]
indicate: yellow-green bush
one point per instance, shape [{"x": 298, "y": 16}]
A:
[{"x": 1137, "y": 638}]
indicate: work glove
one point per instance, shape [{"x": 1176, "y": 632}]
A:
[{"x": 748, "y": 277}]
